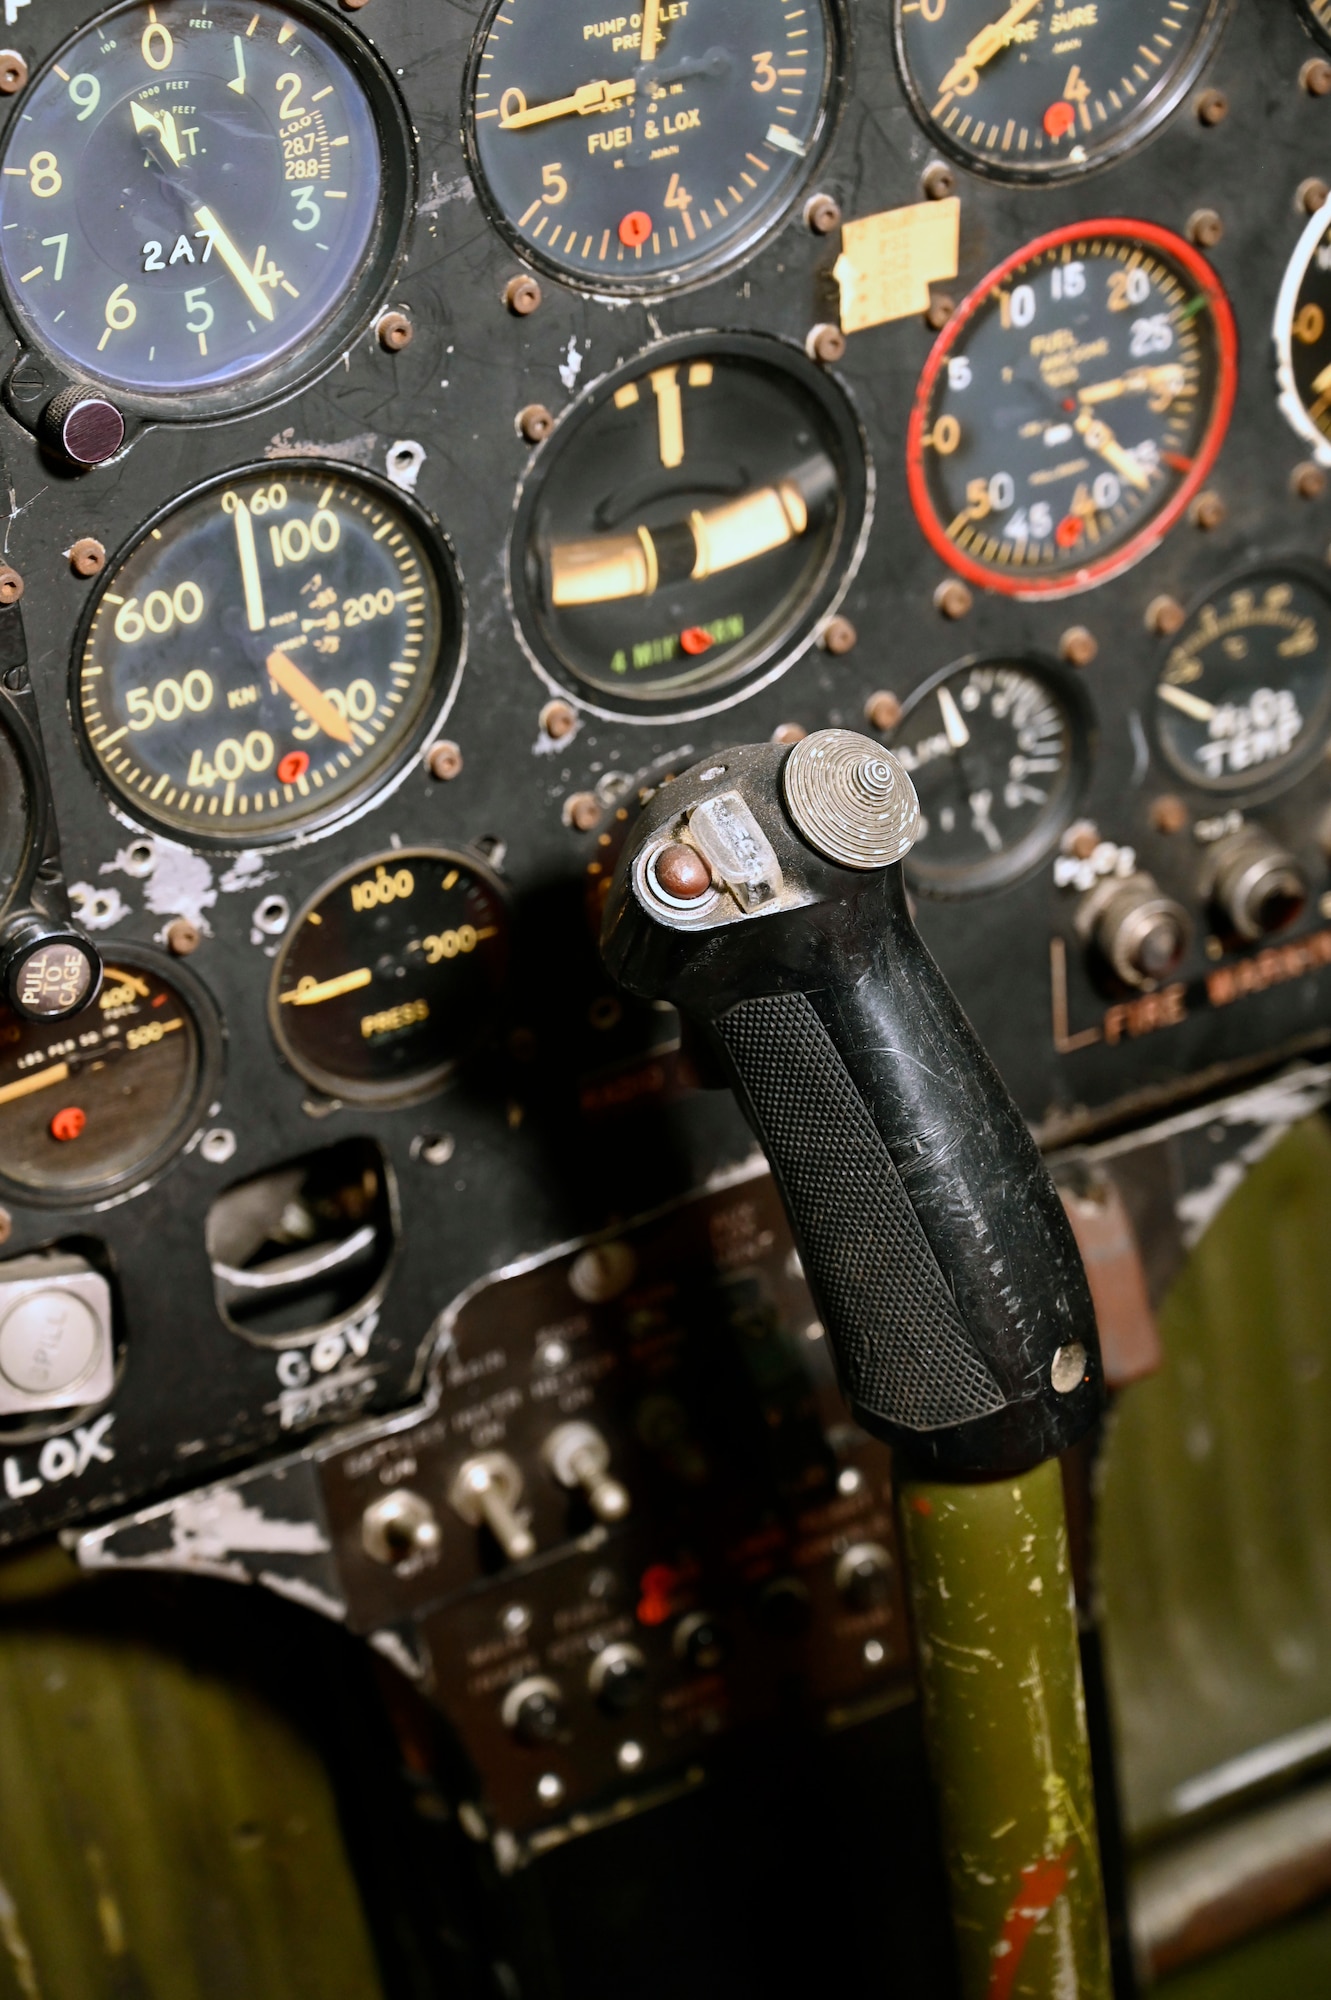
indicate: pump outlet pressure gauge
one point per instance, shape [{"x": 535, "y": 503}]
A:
[
  {"x": 193, "y": 202},
  {"x": 268, "y": 652},
  {"x": 636, "y": 151},
  {"x": 1040, "y": 90},
  {"x": 1071, "y": 408}
]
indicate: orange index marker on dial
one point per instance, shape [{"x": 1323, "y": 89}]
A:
[{"x": 306, "y": 695}]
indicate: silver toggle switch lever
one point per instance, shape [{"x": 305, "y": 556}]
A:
[
  {"x": 578, "y": 1455},
  {"x": 486, "y": 1490}
]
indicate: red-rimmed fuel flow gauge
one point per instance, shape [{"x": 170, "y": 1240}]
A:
[{"x": 1072, "y": 408}]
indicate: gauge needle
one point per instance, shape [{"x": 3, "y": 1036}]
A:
[
  {"x": 1190, "y": 704},
  {"x": 288, "y": 676},
  {"x": 957, "y": 733},
  {"x": 963, "y": 76},
  {"x": 588, "y": 97},
  {"x": 249, "y": 569},
  {"x": 309, "y": 992},
  {"x": 234, "y": 262},
  {"x": 651, "y": 31},
  {"x": 981, "y": 804},
  {"x": 41, "y": 1079},
  {"x": 1168, "y": 380},
  {"x": 1100, "y": 438},
  {"x": 163, "y": 124}
]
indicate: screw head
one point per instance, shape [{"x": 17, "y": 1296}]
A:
[
  {"x": 1212, "y": 107},
  {"x": 789, "y": 732},
  {"x": 533, "y": 423},
  {"x": 825, "y": 343},
  {"x": 182, "y": 937},
  {"x": 1078, "y": 647},
  {"x": 522, "y": 295},
  {"x": 1205, "y": 227},
  {"x": 953, "y": 598},
  {"x": 940, "y": 312},
  {"x": 1208, "y": 511},
  {"x": 882, "y": 711},
  {"x": 1164, "y": 615},
  {"x": 1315, "y": 76},
  {"x": 822, "y": 214},
  {"x": 1169, "y": 814},
  {"x": 839, "y": 636},
  {"x": 582, "y": 811},
  {"x": 394, "y": 329},
  {"x": 938, "y": 181},
  {"x": 1307, "y": 481},
  {"x": 1310, "y": 195},
  {"x": 13, "y": 72},
  {"x": 558, "y": 720},
  {"x": 11, "y": 585},
  {"x": 443, "y": 761},
  {"x": 682, "y": 872},
  {"x": 1067, "y": 1370},
  {"x": 87, "y": 556}
]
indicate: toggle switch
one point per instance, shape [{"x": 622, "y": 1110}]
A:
[
  {"x": 579, "y": 1456},
  {"x": 399, "y": 1525},
  {"x": 1256, "y": 885},
  {"x": 486, "y": 1491},
  {"x": 1140, "y": 932},
  {"x": 534, "y": 1710}
]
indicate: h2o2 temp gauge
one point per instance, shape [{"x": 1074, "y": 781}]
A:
[
  {"x": 1043, "y": 91},
  {"x": 636, "y": 152},
  {"x": 192, "y": 202},
  {"x": 268, "y": 652},
  {"x": 1071, "y": 408},
  {"x": 1302, "y": 334}
]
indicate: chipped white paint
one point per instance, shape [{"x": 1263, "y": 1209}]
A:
[
  {"x": 248, "y": 871},
  {"x": 302, "y": 1592},
  {"x": 442, "y": 192},
  {"x": 97, "y": 908},
  {"x": 358, "y": 450},
  {"x": 394, "y": 1649},
  {"x": 178, "y": 882},
  {"x": 217, "y": 1523},
  {"x": 403, "y": 461},
  {"x": 571, "y": 366}
]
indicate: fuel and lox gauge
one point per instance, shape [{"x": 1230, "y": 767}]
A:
[
  {"x": 1243, "y": 705},
  {"x": 1071, "y": 408},
  {"x": 390, "y": 976},
  {"x": 998, "y": 752}
]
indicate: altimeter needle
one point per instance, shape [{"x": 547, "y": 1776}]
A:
[
  {"x": 288, "y": 676},
  {"x": 309, "y": 992},
  {"x": 163, "y": 124},
  {"x": 234, "y": 262},
  {"x": 957, "y": 733}
]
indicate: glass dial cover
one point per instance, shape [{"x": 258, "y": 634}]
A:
[
  {"x": 1071, "y": 408},
  {"x": 1243, "y": 704},
  {"x": 268, "y": 651},
  {"x": 1043, "y": 91},
  {"x": 632, "y": 153},
  {"x": 187, "y": 198},
  {"x": 689, "y": 520},
  {"x": 1303, "y": 335},
  {"x": 391, "y": 975}
]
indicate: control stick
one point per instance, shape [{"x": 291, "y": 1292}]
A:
[{"x": 762, "y": 894}]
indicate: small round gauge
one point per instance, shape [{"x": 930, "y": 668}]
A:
[
  {"x": 689, "y": 522},
  {"x": 1303, "y": 336},
  {"x": 190, "y": 198},
  {"x": 267, "y": 651},
  {"x": 1243, "y": 704},
  {"x": 1317, "y": 13},
  {"x": 15, "y": 815},
  {"x": 630, "y": 154},
  {"x": 998, "y": 752},
  {"x": 1043, "y": 90},
  {"x": 1071, "y": 408},
  {"x": 391, "y": 975},
  {"x": 102, "y": 1099}
]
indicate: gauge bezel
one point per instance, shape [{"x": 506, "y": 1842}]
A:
[
  {"x": 857, "y": 491},
  {"x": 1319, "y": 30},
  {"x": 1298, "y": 765},
  {"x": 1148, "y": 119},
  {"x": 974, "y": 879},
  {"x": 317, "y": 351},
  {"x": 380, "y": 782},
  {"x": 15, "y": 728},
  {"x": 1282, "y": 333},
  {"x": 736, "y": 250},
  {"x": 1068, "y": 583},
  {"x": 387, "y": 1097},
  {"x": 210, "y": 1045}
]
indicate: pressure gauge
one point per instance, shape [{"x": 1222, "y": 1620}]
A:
[
  {"x": 998, "y": 752},
  {"x": 192, "y": 200},
  {"x": 1043, "y": 90},
  {"x": 101, "y": 1100},
  {"x": 634, "y": 152},
  {"x": 1303, "y": 336},
  {"x": 1071, "y": 408},
  {"x": 268, "y": 652},
  {"x": 688, "y": 524},
  {"x": 1243, "y": 704},
  {"x": 1317, "y": 13},
  {"x": 390, "y": 976}
]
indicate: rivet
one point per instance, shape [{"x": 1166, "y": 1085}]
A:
[
  {"x": 1310, "y": 195},
  {"x": 522, "y": 295},
  {"x": 394, "y": 329},
  {"x": 11, "y": 585},
  {"x": 940, "y": 311},
  {"x": 938, "y": 181},
  {"x": 953, "y": 598},
  {"x": 1208, "y": 511},
  {"x": 839, "y": 636},
  {"x": 1067, "y": 1371},
  {"x": 13, "y": 72},
  {"x": 1205, "y": 228},
  {"x": 822, "y": 214},
  {"x": 444, "y": 761},
  {"x": 1164, "y": 615},
  {"x": 87, "y": 556},
  {"x": 882, "y": 710},
  {"x": 1307, "y": 481},
  {"x": 1315, "y": 76},
  {"x": 582, "y": 811},
  {"x": 182, "y": 937},
  {"x": 533, "y": 422},
  {"x": 558, "y": 720},
  {"x": 1212, "y": 107},
  {"x": 825, "y": 343},
  {"x": 1169, "y": 814},
  {"x": 1078, "y": 647},
  {"x": 789, "y": 732}
]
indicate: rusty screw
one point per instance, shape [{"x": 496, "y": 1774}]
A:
[
  {"x": 825, "y": 343},
  {"x": 1212, "y": 107},
  {"x": 11, "y": 585},
  {"x": 1083, "y": 841},
  {"x": 582, "y": 811},
  {"x": 1208, "y": 511},
  {"x": 882, "y": 711},
  {"x": 1315, "y": 76},
  {"x": 1310, "y": 195},
  {"x": 353, "y": 5},
  {"x": 444, "y": 761},
  {"x": 533, "y": 422},
  {"x": 6, "y": 1225},
  {"x": 938, "y": 181},
  {"x": 522, "y": 295},
  {"x": 822, "y": 214},
  {"x": 682, "y": 872},
  {"x": 1164, "y": 615},
  {"x": 87, "y": 556},
  {"x": 394, "y": 331},
  {"x": 940, "y": 312},
  {"x": 789, "y": 732},
  {"x": 1169, "y": 814},
  {"x": 1307, "y": 481},
  {"x": 953, "y": 598},
  {"x": 13, "y": 72},
  {"x": 1205, "y": 228},
  {"x": 839, "y": 636},
  {"x": 182, "y": 937},
  {"x": 1078, "y": 647},
  {"x": 558, "y": 720}
]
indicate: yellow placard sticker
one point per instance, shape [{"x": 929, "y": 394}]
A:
[{"x": 888, "y": 261}]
